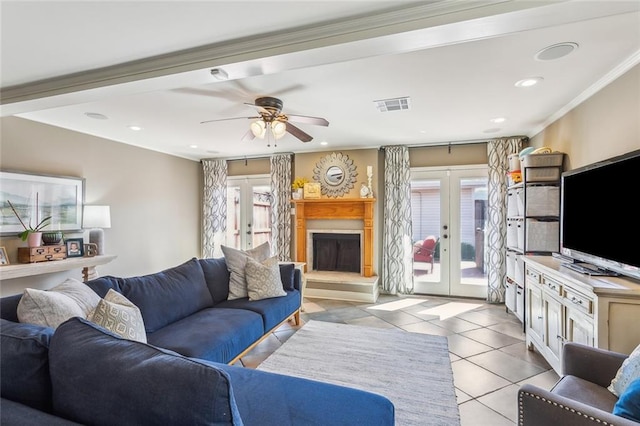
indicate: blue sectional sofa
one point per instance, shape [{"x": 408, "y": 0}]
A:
[{"x": 83, "y": 373}]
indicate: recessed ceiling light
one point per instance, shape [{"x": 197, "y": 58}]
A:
[
  {"x": 193, "y": 146},
  {"x": 134, "y": 128},
  {"x": 528, "y": 82},
  {"x": 96, "y": 115},
  {"x": 556, "y": 51},
  {"x": 492, "y": 130},
  {"x": 423, "y": 131},
  {"x": 498, "y": 120},
  {"x": 324, "y": 143}
]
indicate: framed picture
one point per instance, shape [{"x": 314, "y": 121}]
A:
[
  {"x": 75, "y": 247},
  {"x": 4, "y": 259},
  {"x": 311, "y": 190},
  {"x": 38, "y": 196}
]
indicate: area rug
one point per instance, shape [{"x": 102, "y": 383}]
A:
[{"x": 413, "y": 370}]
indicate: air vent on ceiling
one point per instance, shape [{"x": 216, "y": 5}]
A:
[{"x": 395, "y": 104}]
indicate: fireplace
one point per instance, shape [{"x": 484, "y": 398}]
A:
[{"x": 335, "y": 251}]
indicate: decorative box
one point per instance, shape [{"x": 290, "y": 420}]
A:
[
  {"x": 311, "y": 190},
  {"x": 41, "y": 254}
]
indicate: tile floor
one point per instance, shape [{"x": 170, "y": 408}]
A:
[{"x": 486, "y": 344}]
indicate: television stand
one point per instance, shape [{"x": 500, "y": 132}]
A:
[{"x": 589, "y": 269}]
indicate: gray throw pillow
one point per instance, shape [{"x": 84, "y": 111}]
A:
[
  {"x": 263, "y": 279},
  {"x": 119, "y": 315},
  {"x": 236, "y": 262}
]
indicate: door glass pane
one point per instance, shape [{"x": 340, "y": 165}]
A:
[
  {"x": 425, "y": 211},
  {"x": 473, "y": 221},
  {"x": 261, "y": 223}
]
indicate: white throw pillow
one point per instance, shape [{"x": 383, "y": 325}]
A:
[
  {"x": 263, "y": 279},
  {"x": 236, "y": 261},
  {"x": 627, "y": 373},
  {"x": 52, "y": 307},
  {"x": 119, "y": 315}
]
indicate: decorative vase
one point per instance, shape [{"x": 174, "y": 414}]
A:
[
  {"x": 34, "y": 239},
  {"x": 52, "y": 238},
  {"x": 297, "y": 194}
]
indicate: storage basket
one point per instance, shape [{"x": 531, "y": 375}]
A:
[
  {"x": 542, "y": 201},
  {"x": 542, "y": 174},
  {"x": 512, "y": 202},
  {"x": 512, "y": 233},
  {"x": 511, "y": 265},
  {"x": 542, "y": 160},
  {"x": 514, "y": 162},
  {"x": 541, "y": 236},
  {"x": 510, "y": 294}
]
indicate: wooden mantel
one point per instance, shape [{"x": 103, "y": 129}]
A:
[{"x": 336, "y": 208}]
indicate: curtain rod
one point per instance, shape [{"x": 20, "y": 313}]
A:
[
  {"x": 464, "y": 142},
  {"x": 247, "y": 157}
]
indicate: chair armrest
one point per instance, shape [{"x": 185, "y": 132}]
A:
[
  {"x": 537, "y": 406},
  {"x": 596, "y": 365}
]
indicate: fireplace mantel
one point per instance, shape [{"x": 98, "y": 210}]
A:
[{"x": 336, "y": 208}]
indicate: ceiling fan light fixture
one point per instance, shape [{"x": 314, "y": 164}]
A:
[
  {"x": 258, "y": 128},
  {"x": 278, "y": 128}
]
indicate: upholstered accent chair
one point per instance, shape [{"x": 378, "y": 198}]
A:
[
  {"x": 581, "y": 396},
  {"x": 424, "y": 251}
]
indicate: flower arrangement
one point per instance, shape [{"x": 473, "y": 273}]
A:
[
  {"x": 298, "y": 183},
  {"x": 29, "y": 229}
]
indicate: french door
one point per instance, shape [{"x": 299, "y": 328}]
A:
[
  {"x": 248, "y": 211},
  {"x": 449, "y": 206}
]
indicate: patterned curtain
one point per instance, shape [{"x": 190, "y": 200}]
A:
[
  {"x": 281, "y": 206},
  {"x": 498, "y": 151},
  {"x": 397, "y": 263},
  {"x": 214, "y": 207}
]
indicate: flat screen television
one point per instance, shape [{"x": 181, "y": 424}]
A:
[{"x": 600, "y": 217}]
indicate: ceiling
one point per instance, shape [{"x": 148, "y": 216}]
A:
[{"x": 149, "y": 64}]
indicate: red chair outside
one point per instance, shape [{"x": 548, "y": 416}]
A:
[{"x": 424, "y": 251}]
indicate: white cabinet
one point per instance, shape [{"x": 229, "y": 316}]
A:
[{"x": 566, "y": 306}]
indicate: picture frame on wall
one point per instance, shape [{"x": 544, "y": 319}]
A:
[
  {"x": 75, "y": 247},
  {"x": 4, "y": 259},
  {"x": 60, "y": 197}
]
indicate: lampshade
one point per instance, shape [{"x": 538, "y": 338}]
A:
[
  {"x": 96, "y": 217},
  {"x": 258, "y": 128},
  {"x": 278, "y": 128}
]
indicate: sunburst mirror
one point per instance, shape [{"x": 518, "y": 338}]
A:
[{"x": 336, "y": 174}]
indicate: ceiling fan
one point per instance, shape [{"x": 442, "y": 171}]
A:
[{"x": 271, "y": 119}]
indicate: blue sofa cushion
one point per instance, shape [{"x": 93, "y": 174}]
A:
[
  {"x": 15, "y": 414},
  {"x": 102, "y": 285},
  {"x": 628, "y": 405},
  {"x": 9, "y": 307},
  {"x": 216, "y": 274},
  {"x": 168, "y": 296},
  {"x": 287, "y": 275},
  {"x": 127, "y": 382},
  {"x": 24, "y": 360},
  {"x": 273, "y": 311},
  {"x": 269, "y": 399},
  {"x": 214, "y": 334}
]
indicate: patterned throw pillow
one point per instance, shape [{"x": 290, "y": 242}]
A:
[
  {"x": 627, "y": 373},
  {"x": 263, "y": 279},
  {"x": 236, "y": 262},
  {"x": 119, "y": 315},
  {"x": 52, "y": 307}
]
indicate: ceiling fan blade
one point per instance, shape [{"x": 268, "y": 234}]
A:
[
  {"x": 298, "y": 133},
  {"x": 249, "y": 136},
  {"x": 227, "y": 119},
  {"x": 318, "y": 121},
  {"x": 259, "y": 108}
]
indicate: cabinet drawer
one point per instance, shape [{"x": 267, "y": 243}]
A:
[
  {"x": 553, "y": 286},
  {"x": 578, "y": 301},
  {"x": 533, "y": 276}
]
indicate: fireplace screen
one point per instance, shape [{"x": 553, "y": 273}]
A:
[{"x": 336, "y": 252}]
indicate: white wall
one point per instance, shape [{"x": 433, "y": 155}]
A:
[{"x": 154, "y": 198}]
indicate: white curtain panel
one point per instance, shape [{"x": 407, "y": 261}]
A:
[
  {"x": 397, "y": 263},
  {"x": 281, "y": 206},
  {"x": 214, "y": 207},
  {"x": 498, "y": 152}
]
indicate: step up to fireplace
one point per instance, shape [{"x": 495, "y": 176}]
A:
[{"x": 341, "y": 286}]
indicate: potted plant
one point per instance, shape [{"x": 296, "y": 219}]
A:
[
  {"x": 297, "y": 186},
  {"x": 32, "y": 234}
]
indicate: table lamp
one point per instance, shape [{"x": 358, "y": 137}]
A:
[{"x": 96, "y": 218}]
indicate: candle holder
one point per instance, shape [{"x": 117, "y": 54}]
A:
[{"x": 369, "y": 176}]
